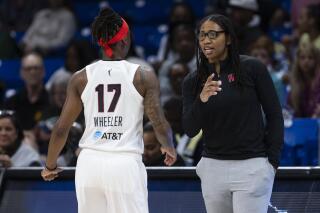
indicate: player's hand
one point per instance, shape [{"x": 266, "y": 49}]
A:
[
  {"x": 210, "y": 88},
  {"x": 49, "y": 175},
  {"x": 170, "y": 155}
]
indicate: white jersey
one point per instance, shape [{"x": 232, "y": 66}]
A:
[{"x": 113, "y": 108}]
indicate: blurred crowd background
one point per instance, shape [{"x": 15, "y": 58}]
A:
[{"x": 42, "y": 42}]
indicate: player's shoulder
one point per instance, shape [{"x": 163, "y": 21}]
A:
[
  {"x": 129, "y": 63},
  {"x": 79, "y": 75},
  {"x": 78, "y": 80},
  {"x": 146, "y": 78},
  {"x": 143, "y": 68}
]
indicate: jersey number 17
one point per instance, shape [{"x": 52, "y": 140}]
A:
[{"x": 110, "y": 88}]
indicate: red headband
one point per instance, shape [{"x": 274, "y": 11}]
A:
[{"x": 117, "y": 37}]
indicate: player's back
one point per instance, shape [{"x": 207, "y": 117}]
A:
[{"x": 113, "y": 108}]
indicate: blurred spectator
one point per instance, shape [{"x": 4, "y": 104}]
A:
[
  {"x": 31, "y": 100},
  {"x": 216, "y": 6},
  {"x": 246, "y": 22},
  {"x": 13, "y": 151},
  {"x": 180, "y": 13},
  {"x": 309, "y": 25},
  {"x": 79, "y": 54},
  {"x": 279, "y": 25},
  {"x": 17, "y": 15},
  {"x": 152, "y": 155},
  {"x": 9, "y": 48},
  {"x": 297, "y": 6},
  {"x": 306, "y": 30},
  {"x": 182, "y": 38},
  {"x": 70, "y": 152},
  {"x": 57, "y": 96},
  {"x": 136, "y": 52},
  {"x": 263, "y": 49},
  {"x": 279, "y": 18},
  {"x": 176, "y": 75},
  {"x": 304, "y": 97},
  {"x": 189, "y": 148},
  {"x": 268, "y": 8},
  {"x": 133, "y": 56},
  {"x": 52, "y": 28},
  {"x": 72, "y": 149}
]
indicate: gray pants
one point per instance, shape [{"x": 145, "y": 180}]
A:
[{"x": 236, "y": 186}]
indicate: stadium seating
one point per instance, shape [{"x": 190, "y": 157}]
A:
[{"x": 301, "y": 143}]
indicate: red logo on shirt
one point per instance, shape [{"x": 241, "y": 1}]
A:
[{"x": 231, "y": 78}]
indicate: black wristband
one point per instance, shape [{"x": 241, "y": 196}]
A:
[{"x": 51, "y": 169}]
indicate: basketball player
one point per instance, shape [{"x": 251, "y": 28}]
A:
[{"x": 110, "y": 176}]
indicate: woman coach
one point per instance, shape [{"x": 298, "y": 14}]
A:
[{"x": 227, "y": 98}]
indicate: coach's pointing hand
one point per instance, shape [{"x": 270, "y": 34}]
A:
[{"x": 210, "y": 88}]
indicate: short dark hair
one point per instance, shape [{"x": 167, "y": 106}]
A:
[
  {"x": 148, "y": 127},
  {"x": 179, "y": 26},
  {"x": 187, "y": 7},
  {"x": 106, "y": 25}
]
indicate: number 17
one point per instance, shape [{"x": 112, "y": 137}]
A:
[{"x": 110, "y": 87}]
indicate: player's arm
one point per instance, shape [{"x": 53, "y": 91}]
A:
[
  {"x": 71, "y": 110},
  {"x": 149, "y": 87}
]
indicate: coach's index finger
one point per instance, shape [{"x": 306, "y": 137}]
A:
[
  {"x": 210, "y": 78},
  {"x": 214, "y": 83}
]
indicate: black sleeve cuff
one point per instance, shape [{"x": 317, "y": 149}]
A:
[
  {"x": 198, "y": 103},
  {"x": 274, "y": 163}
]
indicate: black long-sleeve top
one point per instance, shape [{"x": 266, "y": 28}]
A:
[{"x": 232, "y": 121}]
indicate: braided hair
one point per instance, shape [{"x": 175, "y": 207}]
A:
[
  {"x": 233, "y": 53},
  {"x": 106, "y": 25}
]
